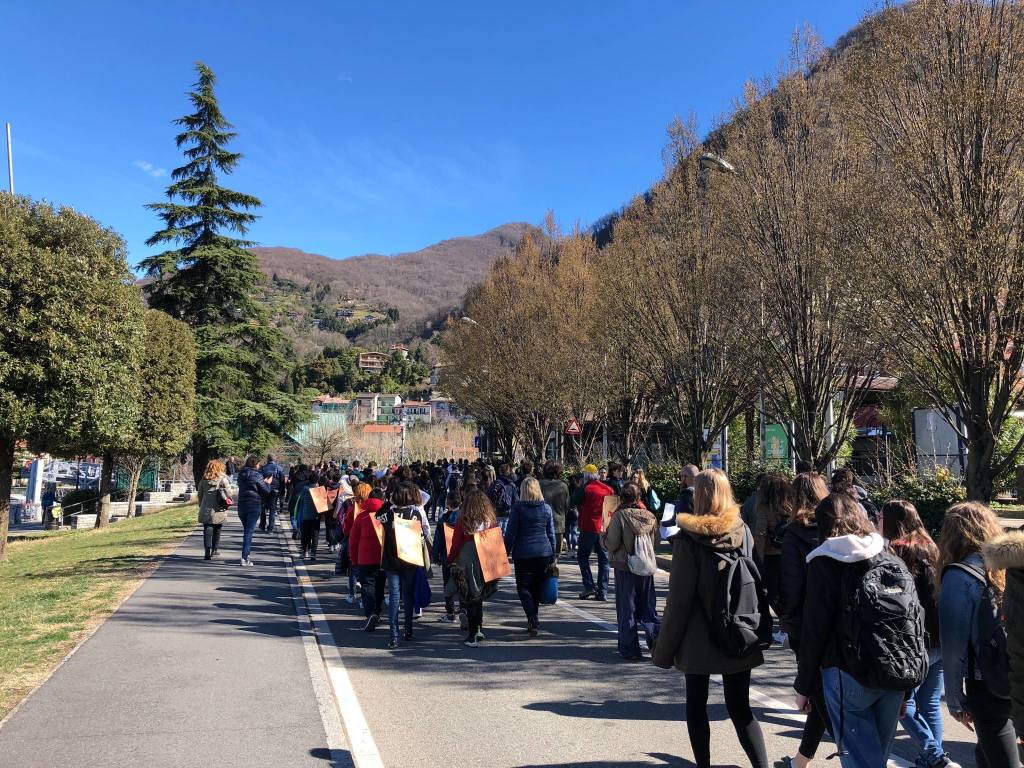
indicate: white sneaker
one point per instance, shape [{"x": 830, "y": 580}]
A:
[
  {"x": 350, "y": 599},
  {"x": 242, "y": 561},
  {"x": 249, "y": 563},
  {"x": 780, "y": 638}
]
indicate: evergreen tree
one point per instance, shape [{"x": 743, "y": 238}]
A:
[{"x": 209, "y": 281}]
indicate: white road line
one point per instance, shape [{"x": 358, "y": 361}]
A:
[
  {"x": 777, "y": 707},
  {"x": 362, "y": 747}
]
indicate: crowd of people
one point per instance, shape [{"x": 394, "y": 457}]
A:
[{"x": 883, "y": 620}]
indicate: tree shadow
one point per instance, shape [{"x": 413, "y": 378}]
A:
[{"x": 663, "y": 760}]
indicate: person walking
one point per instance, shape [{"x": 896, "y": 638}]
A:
[
  {"x": 628, "y": 539},
  {"x": 712, "y": 534},
  {"x": 276, "y": 473},
  {"x": 862, "y": 633},
  {"x": 589, "y": 500},
  {"x": 974, "y": 656},
  {"x": 399, "y": 575},
  {"x": 253, "y": 489},
  {"x": 799, "y": 538},
  {"x": 556, "y": 494},
  {"x": 308, "y": 516},
  {"x": 909, "y": 540},
  {"x": 214, "y": 500},
  {"x": 530, "y": 542},
  {"x": 1006, "y": 552},
  {"x": 351, "y": 509},
  {"x": 365, "y": 538},
  {"x": 449, "y": 517},
  {"x": 503, "y": 493},
  {"x": 774, "y": 509},
  {"x": 476, "y": 515}
]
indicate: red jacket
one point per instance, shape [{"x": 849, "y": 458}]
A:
[
  {"x": 592, "y": 507},
  {"x": 363, "y": 544}
]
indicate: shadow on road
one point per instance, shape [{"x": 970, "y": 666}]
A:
[{"x": 663, "y": 759}]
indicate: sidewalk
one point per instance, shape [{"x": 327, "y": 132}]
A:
[{"x": 203, "y": 666}]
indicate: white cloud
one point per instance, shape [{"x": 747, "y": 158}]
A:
[{"x": 152, "y": 170}]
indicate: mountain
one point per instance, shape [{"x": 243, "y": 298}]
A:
[{"x": 418, "y": 287}]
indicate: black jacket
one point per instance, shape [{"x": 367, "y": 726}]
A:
[
  {"x": 924, "y": 583},
  {"x": 389, "y": 552},
  {"x": 251, "y": 491},
  {"x": 798, "y": 539}
]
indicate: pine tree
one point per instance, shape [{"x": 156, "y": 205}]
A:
[{"x": 209, "y": 281}]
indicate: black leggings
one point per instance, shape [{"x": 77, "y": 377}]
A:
[
  {"x": 997, "y": 740},
  {"x": 737, "y": 703},
  {"x": 310, "y": 535},
  {"x": 475, "y": 615},
  {"x": 211, "y": 536}
]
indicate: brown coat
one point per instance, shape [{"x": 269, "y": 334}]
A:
[
  {"x": 685, "y": 640},
  {"x": 620, "y": 539},
  {"x": 207, "y": 492}
]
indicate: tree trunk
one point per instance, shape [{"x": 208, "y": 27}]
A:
[
  {"x": 979, "y": 478},
  {"x": 6, "y": 479},
  {"x": 133, "y": 483},
  {"x": 200, "y": 456},
  {"x": 748, "y": 428},
  {"x": 106, "y": 485}
]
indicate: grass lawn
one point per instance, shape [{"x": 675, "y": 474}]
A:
[{"x": 56, "y": 589}]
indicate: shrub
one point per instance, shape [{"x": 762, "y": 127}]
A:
[
  {"x": 665, "y": 479},
  {"x": 932, "y": 495},
  {"x": 70, "y": 501},
  {"x": 744, "y": 481}
]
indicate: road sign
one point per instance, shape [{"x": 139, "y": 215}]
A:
[{"x": 573, "y": 428}]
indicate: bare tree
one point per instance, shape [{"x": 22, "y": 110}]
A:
[
  {"x": 939, "y": 92},
  {"x": 796, "y": 207}
]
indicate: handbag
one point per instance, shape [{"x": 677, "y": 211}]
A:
[{"x": 223, "y": 502}]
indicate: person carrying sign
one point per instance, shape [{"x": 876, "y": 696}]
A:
[{"x": 405, "y": 541}]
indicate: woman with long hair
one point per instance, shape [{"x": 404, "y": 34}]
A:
[
  {"x": 909, "y": 540},
  {"x": 477, "y": 515},
  {"x": 863, "y": 713},
  {"x": 399, "y": 574},
  {"x": 530, "y": 542},
  {"x": 976, "y": 697},
  {"x": 774, "y": 509},
  {"x": 647, "y": 493},
  {"x": 214, "y": 499},
  {"x": 351, "y": 509},
  {"x": 799, "y": 538},
  {"x": 714, "y": 530}
]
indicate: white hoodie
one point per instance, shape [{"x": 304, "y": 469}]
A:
[{"x": 850, "y": 548}]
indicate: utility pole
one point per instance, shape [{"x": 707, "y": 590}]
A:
[{"x": 10, "y": 162}]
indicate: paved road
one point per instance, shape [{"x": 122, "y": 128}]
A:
[
  {"x": 203, "y": 666},
  {"x": 208, "y": 665},
  {"x": 561, "y": 699}
]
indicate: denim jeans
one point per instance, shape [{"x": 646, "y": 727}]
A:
[
  {"x": 401, "y": 589},
  {"x": 572, "y": 535},
  {"x": 249, "y": 521},
  {"x": 923, "y": 721},
  {"x": 635, "y": 609},
  {"x": 588, "y": 543},
  {"x": 269, "y": 515},
  {"x": 863, "y": 719}
]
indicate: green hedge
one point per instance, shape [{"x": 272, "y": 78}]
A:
[{"x": 932, "y": 495}]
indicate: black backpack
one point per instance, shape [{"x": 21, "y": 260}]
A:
[
  {"x": 883, "y": 625},
  {"x": 991, "y": 657},
  {"x": 734, "y": 599}
]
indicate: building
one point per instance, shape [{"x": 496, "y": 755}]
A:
[
  {"x": 442, "y": 409},
  {"x": 327, "y": 404},
  {"x": 373, "y": 408},
  {"x": 372, "y": 362},
  {"x": 388, "y": 409},
  {"x": 342, "y": 314},
  {"x": 417, "y": 412},
  {"x": 400, "y": 349}
]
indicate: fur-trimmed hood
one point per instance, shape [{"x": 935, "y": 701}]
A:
[
  {"x": 720, "y": 532},
  {"x": 1006, "y": 551}
]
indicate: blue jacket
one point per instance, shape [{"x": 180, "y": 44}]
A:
[
  {"x": 251, "y": 491},
  {"x": 305, "y": 509},
  {"x": 276, "y": 471},
  {"x": 530, "y": 531},
  {"x": 959, "y": 599}
]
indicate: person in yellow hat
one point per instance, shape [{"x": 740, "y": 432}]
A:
[{"x": 589, "y": 500}]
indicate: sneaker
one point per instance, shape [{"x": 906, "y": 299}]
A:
[
  {"x": 631, "y": 657},
  {"x": 531, "y": 630},
  {"x": 409, "y": 637},
  {"x": 208, "y": 556},
  {"x": 418, "y": 613},
  {"x": 944, "y": 762},
  {"x": 480, "y": 635},
  {"x": 312, "y": 558},
  {"x": 243, "y": 562},
  {"x": 786, "y": 762},
  {"x": 601, "y": 598},
  {"x": 371, "y": 623},
  {"x": 779, "y": 638},
  {"x": 448, "y": 618},
  {"x": 463, "y": 621},
  {"x": 472, "y": 641},
  {"x": 392, "y": 643},
  {"x": 216, "y": 552},
  {"x": 586, "y": 595},
  {"x": 350, "y": 599}
]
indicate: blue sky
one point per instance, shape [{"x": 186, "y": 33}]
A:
[{"x": 381, "y": 126}]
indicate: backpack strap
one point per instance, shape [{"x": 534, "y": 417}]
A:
[{"x": 979, "y": 573}]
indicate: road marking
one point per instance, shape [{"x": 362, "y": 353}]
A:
[
  {"x": 777, "y": 707},
  {"x": 361, "y": 746}
]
